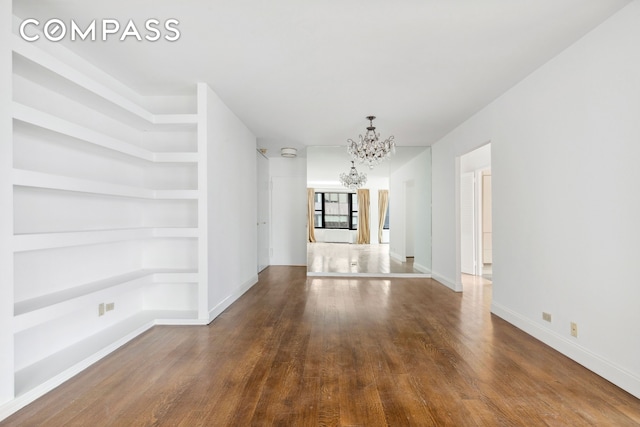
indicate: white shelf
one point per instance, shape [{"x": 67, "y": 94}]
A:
[
  {"x": 175, "y": 232},
  {"x": 57, "y": 182},
  {"x": 175, "y": 194},
  {"x": 38, "y": 241},
  {"x": 52, "y": 123},
  {"x": 174, "y": 317},
  {"x": 33, "y": 311},
  {"x": 175, "y": 119},
  {"x": 53, "y": 64},
  {"x": 186, "y": 157},
  {"x": 51, "y": 371}
]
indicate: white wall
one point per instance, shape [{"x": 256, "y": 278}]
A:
[
  {"x": 288, "y": 211},
  {"x": 232, "y": 205},
  {"x": 6, "y": 212},
  {"x": 565, "y": 201},
  {"x": 416, "y": 172}
]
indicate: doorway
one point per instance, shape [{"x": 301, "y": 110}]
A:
[{"x": 475, "y": 214}]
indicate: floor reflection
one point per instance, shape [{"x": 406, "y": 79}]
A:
[{"x": 344, "y": 259}]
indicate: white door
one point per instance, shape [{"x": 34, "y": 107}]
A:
[
  {"x": 487, "y": 252},
  {"x": 289, "y": 220},
  {"x": 467, "y": 224},
  {"x": 263, "y": 211}
]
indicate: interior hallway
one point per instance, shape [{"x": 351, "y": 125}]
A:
[{"x": 301, "y": 351}]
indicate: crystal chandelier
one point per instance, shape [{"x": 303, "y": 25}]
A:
[
  {"x": 353, "y": 179},
  {"x": 370, "y": 149}
]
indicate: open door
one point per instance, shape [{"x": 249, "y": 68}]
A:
[
  {"x": 467, "y": 224},
  {"x": 487, "y": 252}
]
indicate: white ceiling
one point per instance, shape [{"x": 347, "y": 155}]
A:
[{"x": 302, "y": 73}]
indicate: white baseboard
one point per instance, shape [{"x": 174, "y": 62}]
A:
[
  {"x": 449, "y": 283},
  {"x": 397, "y": 257},
  {"x": 421, "y": 268},
  {"x": 572, "y": 349},
  {"x": 230, "y": 299}
]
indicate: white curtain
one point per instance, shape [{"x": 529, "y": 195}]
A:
[{"x": 363, "y": 217}]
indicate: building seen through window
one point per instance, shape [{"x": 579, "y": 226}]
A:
[{"x": 336, "y": 210}]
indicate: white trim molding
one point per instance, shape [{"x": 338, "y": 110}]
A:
[
  {"x": 397, "y": 256},
  {"x": 421, "y": 268},
  {"x": 449, "y": 283},
  {"x": 231, "y": 298}
]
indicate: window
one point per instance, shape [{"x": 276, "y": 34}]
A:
[
  {"x": 386, "y": 220},
  {"x": 336, "y": 210}
]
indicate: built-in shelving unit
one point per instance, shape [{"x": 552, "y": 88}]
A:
[{"x": 106, "y": 198}]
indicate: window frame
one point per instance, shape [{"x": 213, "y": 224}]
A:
[
  {"x": 322, "y": 211},
  {"x": 316, "y": 211}
]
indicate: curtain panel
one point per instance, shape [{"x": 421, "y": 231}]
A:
[
  {"x": 310, "y": 214},
  {"x": 363, "y": 217}
]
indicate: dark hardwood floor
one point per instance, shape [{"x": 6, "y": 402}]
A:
[{"x": 338, "y": 352}]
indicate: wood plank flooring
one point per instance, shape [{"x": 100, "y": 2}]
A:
[{"x": 338, "y": 352}]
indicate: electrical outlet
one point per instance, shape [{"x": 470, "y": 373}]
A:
[
  {"x": 110, "y": 306},
  {"x": 101, "y": 309},
  {"x": 546, "y": 316},
  {"x": 574, "y": 329}
]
